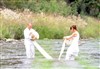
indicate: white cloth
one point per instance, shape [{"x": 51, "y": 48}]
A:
[
  {"x": 29, "y": 46},
  {"x": 73, "y": 49},
  {"x": 67, "y": 42}
]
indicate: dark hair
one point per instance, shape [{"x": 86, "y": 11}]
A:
[{"x": 73, "y": 27}]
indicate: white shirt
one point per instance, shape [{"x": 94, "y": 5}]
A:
[{"x": 27, "y": 35}]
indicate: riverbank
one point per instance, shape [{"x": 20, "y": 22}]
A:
[{"x": 12, "y": 24}]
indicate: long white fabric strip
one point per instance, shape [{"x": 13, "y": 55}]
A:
[
  {"x": 42, "y": 51},
  {"x": 62, "y": 49}
]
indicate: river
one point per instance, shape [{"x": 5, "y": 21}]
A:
[{"x": 12, "y": 53}]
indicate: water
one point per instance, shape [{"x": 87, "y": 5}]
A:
[{"x": 12, "y": 54}]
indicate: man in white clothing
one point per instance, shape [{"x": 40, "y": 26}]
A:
[{"x": 30, "y": 36}]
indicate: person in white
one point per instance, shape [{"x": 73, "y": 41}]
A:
[
  {"x": 73, "y": 49},
  {"x": 30, "y": 36}
]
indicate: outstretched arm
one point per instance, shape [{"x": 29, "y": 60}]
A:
[{"x": 71, "y": 37}]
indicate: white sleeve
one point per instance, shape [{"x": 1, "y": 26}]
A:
[
  {"x": 36, "y": 34},
  {"x": 26, "y": 35}
]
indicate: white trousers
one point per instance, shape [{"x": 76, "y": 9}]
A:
[{"x": 30, "y": 50}]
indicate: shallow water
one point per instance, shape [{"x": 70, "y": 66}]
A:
[{"x": 12, "y": 54}]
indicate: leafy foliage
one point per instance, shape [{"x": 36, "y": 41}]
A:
[
  {"x": 88, "y": 7},
  {"x": 63, "y": 7}
]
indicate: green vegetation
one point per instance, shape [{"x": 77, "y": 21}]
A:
[
  {"x": 49, "y": 26},
  {"x": 63, "y": 7},
  {"x": 51, "y": 18},
  {"x": 91, "y": 30},
  {"x": 37, "y": 6}
]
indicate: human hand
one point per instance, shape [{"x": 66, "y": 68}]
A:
[
  {"x": 32, "y": 37},
  {"x": 66, "y": 37}
]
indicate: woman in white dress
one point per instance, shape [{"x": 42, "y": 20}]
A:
[{"x": 73, "y": 49}]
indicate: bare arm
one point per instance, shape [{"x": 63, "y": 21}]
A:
[{"x": 71, "y": 37}]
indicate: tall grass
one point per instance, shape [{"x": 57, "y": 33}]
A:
[
  {"x": 49, "y": 26},
  {"x": 92, "y": 29}
]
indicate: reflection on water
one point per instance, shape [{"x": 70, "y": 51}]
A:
[{"x": 12, "y": 54}]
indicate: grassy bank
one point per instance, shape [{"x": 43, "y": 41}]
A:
[{"x": 49, "y": 26}]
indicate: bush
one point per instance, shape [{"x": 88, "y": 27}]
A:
[
  {"x": 49, "y": 26},
  {"x": 5, "y": 33},
  {"x": 88, "y": 7},
  {"x": 18, "y": 34},
  {"x": 51, "y": 6},
  {"x": 51, "y": 33}
]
